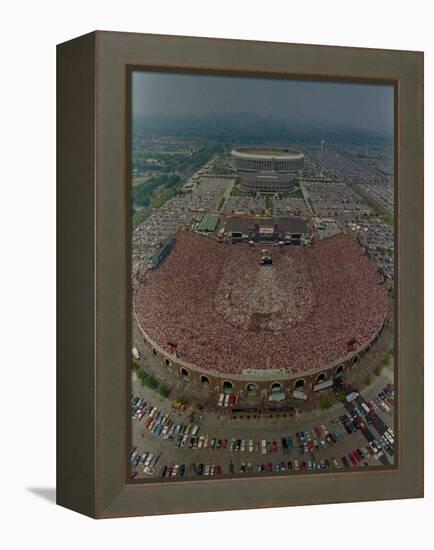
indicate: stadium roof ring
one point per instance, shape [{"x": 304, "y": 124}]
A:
[{"x": 268, "y": 159}]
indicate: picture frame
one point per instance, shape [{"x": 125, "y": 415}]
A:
[{"x": 93, "y": 357}]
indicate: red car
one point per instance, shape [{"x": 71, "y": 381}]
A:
[
  {"x": 310, "y": 445},
  {"x": 317, "y": 431},
  {"x": 353, "y": 462},
  {"x": 224, "y": 443},
  {"x": 356, "y": 456},
  {"x": 218, "y": 469},
  {"x": 269, "y": 467},
  {"x": 274, "y": 446},
  {"x": 134, "y": 474},
  {"x": 148, "y": 421}
]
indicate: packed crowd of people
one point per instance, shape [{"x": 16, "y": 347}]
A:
[
  {"x": 215, "y": 306},
  {"x": 274, "y": 298}
]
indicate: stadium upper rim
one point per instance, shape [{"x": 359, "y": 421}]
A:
[{"x": 266, "y": 153}]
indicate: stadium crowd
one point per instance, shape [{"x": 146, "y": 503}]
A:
[{"x": 215, "y": 306}]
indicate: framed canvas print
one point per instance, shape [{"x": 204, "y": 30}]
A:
[{"x": 240, "y": 274}]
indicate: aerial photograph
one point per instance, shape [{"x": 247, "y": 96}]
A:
[{"x": 262, "y": 275}]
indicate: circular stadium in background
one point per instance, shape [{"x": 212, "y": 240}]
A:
[{"x": 267, "y": 169}]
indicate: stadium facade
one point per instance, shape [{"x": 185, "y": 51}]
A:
[
  {"x": 270, "y": 384},
  {"x": 267, "y": 169}
]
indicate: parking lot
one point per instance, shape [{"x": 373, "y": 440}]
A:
[{"x": 344, "y": 437}]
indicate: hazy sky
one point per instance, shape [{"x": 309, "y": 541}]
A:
[{"x": 360, "y": 105}]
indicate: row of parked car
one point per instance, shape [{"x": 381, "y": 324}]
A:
[
  {"x": 160, "y": 423},
  {"x": 146, "y": 459},
  {"x": 283, "y": 466},
  {"x": 374, "y": 448},
  {"x": 173, "y": 471},
  {"x": 384, "y": 400},
  {"x": 320, "y": 439}
]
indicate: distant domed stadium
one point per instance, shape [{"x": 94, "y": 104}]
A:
[
  {"x": 267, "y": 169},
  {"x": 217, "y": 316}
]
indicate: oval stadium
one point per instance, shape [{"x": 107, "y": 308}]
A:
[
  {"x": 267, "y": 169},
  {"x": 217, "y": 316}
]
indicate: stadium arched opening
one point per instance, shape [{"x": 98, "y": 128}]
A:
[
  {"x": 299, "y": 385},
  {"x": 204, "y": 381},
  {"x": 321, "y": 378},
  {"x": 228, "y": 387},
  {"x": 252, "y": 389}
]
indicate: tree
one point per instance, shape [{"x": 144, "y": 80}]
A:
[
  {"x": 182, "y": 399},
  {"x": 198, "y": 406},
  {"x": 150, "y": 382},
  {"x": 134, "y": 365},
  {"x": 325, "y": 401},
  {"x": 141, "y": 375},
  {"x": 387, "y": 358},
  {"x": 340, "y": 394},
  {"x": 164, "y": 390},
  {"x": 377, "y": 370},
  {"x": 367, "y": 380}
]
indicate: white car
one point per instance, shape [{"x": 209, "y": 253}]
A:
[
  {"x": 149, "y": 459},
  {"x": 243, "y": 445},
  {"x": 144, "y": 457},
  {"x": 221, "y": 399},
  {"x": 135, "y": 353},
  {"x": 175, "y": 470},
  {"x": 250, "y": 445},
  {"x": 264, "y": 447},
  {"x": 151, "y": 425},
  {"x": 149, "y": 471}
]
